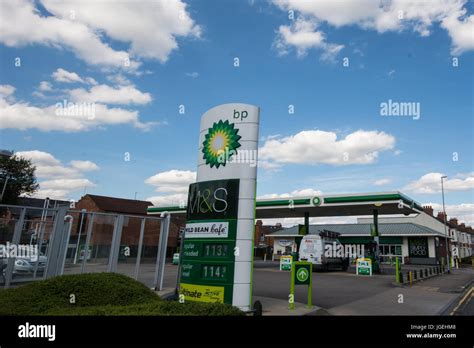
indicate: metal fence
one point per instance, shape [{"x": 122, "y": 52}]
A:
[{"x": 69, "y": 241}]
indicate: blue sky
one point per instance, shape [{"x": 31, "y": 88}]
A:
[{"x": 182, "y": 54}]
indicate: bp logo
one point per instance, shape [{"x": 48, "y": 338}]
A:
[
  {"x": 302, "y": 275},
  {"x": 220, "y": 144}
]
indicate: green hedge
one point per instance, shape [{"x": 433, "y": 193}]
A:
[
  {"x": 98, "y": 294},
  {"x": 155, "y": 308},
  {"x": 89, "y": 289}
]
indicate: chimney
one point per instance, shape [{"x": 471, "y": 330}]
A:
[
  {"x": 453, "y": 221},
  {"x": 428, "y": 209},
  {"x": 441, "y": 216},
  {"x": 463, "y": 227}
]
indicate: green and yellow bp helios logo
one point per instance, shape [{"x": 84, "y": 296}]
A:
[{"x": 220, "y": 144}]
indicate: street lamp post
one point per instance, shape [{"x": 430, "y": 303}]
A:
[
  {"x": 445, "y": 223},
  {"x": 4, "y": 187}
]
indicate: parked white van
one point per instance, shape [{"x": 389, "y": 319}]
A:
[{"x": 312, "y": 249}]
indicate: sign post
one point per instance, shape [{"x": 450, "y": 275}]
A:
[
  {"x": 364, "y": 266},
  {"x": 218, "y": 245},
  {"x": 285, "y": 263},
  {"x": 301, "y": 274}
]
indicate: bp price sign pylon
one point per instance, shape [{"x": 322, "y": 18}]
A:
[{"x": 217, "y": 254}]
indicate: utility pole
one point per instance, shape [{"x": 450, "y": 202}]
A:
[{"x": 445, "y": 223}]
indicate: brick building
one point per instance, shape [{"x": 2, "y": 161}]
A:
[
  {"x": 104, "y": 224},
  {"x": 263, "y": 244}
]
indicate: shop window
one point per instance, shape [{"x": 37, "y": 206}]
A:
[{"x": 398, "y": 250}]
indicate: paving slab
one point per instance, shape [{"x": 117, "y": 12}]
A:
[{"x": 277, "y": 307}]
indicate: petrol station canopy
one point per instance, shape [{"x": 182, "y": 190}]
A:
[{"x": 385, "y": 203}]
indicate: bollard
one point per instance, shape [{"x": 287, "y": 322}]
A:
[
  {"x": 397, "y": 270},
  {"x": 410, "y": 277}
]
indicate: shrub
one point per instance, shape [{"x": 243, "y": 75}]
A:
[
  {"x": 89, "y": 289},
  {"x": 98, "y": 294},
  {"x": 154, "y": 308}
]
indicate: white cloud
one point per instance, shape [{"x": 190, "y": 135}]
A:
[
  {"x": 316, "y": 146},
  {"x": 461, "y": 32},
  {"x": 464, "y": 212},
  {"x": 193, "y": 75},
  {"x": 150, "y": 29},
  {"x": 47, "y": 166},
  {"x": 61, "y": 75},
  {"x": 57, "y": 32},
  {"x": 45, "y": 86},
  {"x": 270, "y": 166},
  {"x": 22, "y": 115},
  {"x": 174, "y": 181},
  {"x": 52, "y": 194},
  {"x": 308, "y": 192},
  {"x": 110, "y": 95},
  {"x": 7, "y": 90},
  {"x": 84, "y": 166},
  {"x": 61, "y": 180},
  {"x": 431, "y": 183},
  {"x": 382, "y": 182},
  {"x": 178, "y": 199},
  {"x": 302, "y": 35},
  {"x": 39, "y": 157},
  {"x": 66, "y": 184},
  {"x": 119, "y": 79},
  {"x": 382, "y": 16}
]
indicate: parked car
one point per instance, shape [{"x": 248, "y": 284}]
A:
[
  {"x": 27, "y": 266},
  {"x": 24, "y": 265}
]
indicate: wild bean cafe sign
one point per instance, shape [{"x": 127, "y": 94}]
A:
[{"x": 218, "y": 240}]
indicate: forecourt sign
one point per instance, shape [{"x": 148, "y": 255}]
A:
[{"x": 218, "y": 240}]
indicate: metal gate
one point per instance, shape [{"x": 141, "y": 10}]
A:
[{"x": 39, "y": 243}]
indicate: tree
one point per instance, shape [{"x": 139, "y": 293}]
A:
[{"x": 17, "y": 177}]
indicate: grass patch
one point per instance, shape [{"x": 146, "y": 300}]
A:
[{"x": 98, "y": 294}]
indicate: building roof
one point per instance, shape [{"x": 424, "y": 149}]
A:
[
  {"x": 396, "y": 229},
  {"x": 39, "y": 202},
  {"x": 386, "y": 203},
  {"x": 120, "y": 205}
]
